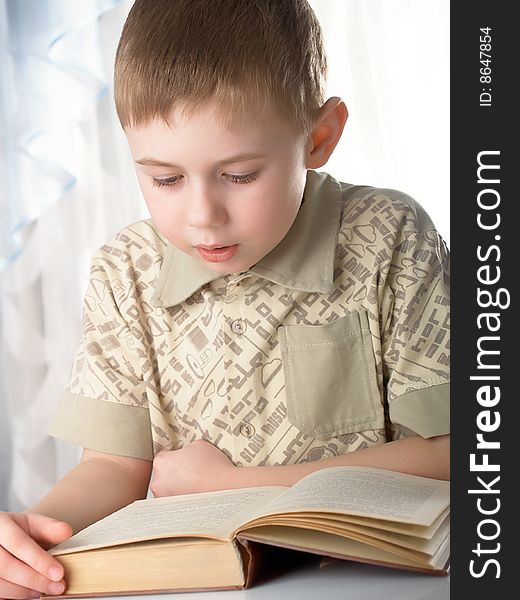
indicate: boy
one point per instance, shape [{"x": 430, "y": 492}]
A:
[{"x": 267, "y": 320}]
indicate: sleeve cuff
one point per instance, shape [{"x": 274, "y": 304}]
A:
[
  {"x": 104, "y": 426},
  {"x": 425, "y": 411}
]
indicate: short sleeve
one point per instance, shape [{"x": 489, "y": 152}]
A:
[
  {"x": 105, "y": 407},
  {"x": 415, "y": 341}
]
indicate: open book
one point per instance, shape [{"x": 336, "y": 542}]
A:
[{"x": 214, "y": 540}]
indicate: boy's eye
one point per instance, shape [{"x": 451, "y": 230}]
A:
[
  {"x": 169, "y": 181},
  {"x": 241, "y": 178},
  {"x": 165, "y": 182}
]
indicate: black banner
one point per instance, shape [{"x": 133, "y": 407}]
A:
[{"x": 485, "y": 243}]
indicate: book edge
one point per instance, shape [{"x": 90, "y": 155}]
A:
[{"x": 143, "y": 592}]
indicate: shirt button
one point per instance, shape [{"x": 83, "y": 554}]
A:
[
  {"x": 237, "y": 326},
  {"x": 247, "y": 430}
]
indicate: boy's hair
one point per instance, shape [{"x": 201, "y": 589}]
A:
[{"x": 242, "y": 54}]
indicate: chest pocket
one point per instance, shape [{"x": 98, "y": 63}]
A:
[{"x": 330, "y": 377}]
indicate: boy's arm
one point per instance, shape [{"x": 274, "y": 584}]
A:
[
  {"x": 427, "y": 457},
  {"x": 99, "y": 485},
  {"x": 201, "y": 467}
]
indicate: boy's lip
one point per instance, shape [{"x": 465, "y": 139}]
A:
[{"x": 213, "y": 246}]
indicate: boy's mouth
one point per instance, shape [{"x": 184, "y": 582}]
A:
[{"x": 217, "y": 253}]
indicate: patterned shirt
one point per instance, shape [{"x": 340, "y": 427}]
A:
[{"x": 336, "y": 340}]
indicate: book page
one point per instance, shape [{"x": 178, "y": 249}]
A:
[
  {"x": 426, "y": 546},
  {"x": 373, "y": 493},
  {"x": 417, "y": 531},
  {"x": 212, "y": 515}
]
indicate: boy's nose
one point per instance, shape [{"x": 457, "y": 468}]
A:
[{"x": 204, "y": 210}]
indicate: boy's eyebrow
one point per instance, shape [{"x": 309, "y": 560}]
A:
[{"x": 154, "y": 162}]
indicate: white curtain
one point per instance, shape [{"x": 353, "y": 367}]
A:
[
  {"x": 389, "y": 61},
  {"x": 68, "y": 182},
  {"x": 70, "y": 187}
]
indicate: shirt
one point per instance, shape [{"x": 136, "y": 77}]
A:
[{"x": 336, "y": 340}]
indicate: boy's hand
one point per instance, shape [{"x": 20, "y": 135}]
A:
[
  {"x": 26, "y": 569},
  {"x": 199, "y": 467}
]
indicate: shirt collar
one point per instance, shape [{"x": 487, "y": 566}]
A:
[{"x": 303, "y": 260}]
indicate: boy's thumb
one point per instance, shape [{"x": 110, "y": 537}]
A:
[{"x": 58, "y": 531}]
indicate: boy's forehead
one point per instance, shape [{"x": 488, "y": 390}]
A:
[{"x": 262, "y": 129}]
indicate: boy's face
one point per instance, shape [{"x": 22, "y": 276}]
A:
[{"x": 208, "y": 185}]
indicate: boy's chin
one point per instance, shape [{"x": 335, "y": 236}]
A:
[{"x": 223, "y": 270}]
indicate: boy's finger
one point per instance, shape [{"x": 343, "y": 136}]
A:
[
  {"x": 16, "y": 572},
  {"x": 16, "y": 541},
  {"x": 10, "y": 590},
  {"x": 43, "y": 529}
]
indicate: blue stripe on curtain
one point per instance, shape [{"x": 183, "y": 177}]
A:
[{"x": 51, "y": 68}]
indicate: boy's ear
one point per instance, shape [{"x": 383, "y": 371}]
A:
[{"x": 326, "y": 133}]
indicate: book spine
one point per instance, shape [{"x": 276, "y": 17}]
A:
[{"x": 251, "y": 554}]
